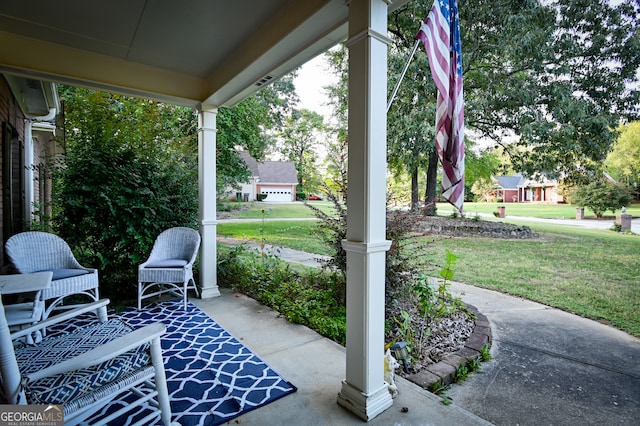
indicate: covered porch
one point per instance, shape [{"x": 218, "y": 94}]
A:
[{"x": 206, "y": 55}]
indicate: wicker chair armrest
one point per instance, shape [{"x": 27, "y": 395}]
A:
[
  {"x": 94, "y": 306},
  {"x": 104, "y": 352}
]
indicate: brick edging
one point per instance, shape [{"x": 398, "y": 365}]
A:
[{"x": 446, "y": 368}]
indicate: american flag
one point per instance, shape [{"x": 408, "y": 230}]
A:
[{"x": 440, "y": 34}]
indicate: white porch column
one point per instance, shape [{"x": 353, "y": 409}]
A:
[
  {"x": 364, "y": 391},
  {"x": 207, "y": 197}
]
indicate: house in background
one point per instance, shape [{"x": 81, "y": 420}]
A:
[
  {"x": 518, "y": 189},
  {"x": 28, "y": 112},
  {"x": 277, "y": 180}
]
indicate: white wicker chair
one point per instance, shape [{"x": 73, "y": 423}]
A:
[
  {"x": 40, "y": 251},
  {"x": 170, "y": 265},
  {"x": 87, "y": 368}
]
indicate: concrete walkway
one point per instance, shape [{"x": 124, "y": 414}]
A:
[{"x": 549, "y": 367}]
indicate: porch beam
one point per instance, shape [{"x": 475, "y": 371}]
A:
[
  {"x": 207, "y": 200},
  {"x": 364, "y": 391}
]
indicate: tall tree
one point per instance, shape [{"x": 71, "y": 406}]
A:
[
  {"x": 250, "y": 126},
  {"x": 300, "y": 138},
  {"x": 554, "y": 78},
  {"x": 623, "y": 162},
  {"x": 556, "y": 75},
  {"x": 410, "y": 147},
  {"x": 337, "y": 127}
]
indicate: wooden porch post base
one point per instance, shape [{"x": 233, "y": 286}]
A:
[{"x": 362, "y": 405}]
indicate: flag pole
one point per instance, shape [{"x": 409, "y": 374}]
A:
[{"x": 404, "y": 71}]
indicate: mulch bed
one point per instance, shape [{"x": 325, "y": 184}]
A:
[{"x": 465, "y": 227}]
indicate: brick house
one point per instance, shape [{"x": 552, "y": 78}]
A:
[{"x": 518, "y": 189}]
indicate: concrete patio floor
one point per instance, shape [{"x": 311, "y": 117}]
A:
[{"x": 316, "y": 366}]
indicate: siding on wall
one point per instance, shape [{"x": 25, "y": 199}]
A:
[{"x": 11, "y": 114}]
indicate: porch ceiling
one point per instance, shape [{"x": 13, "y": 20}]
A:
[{"x": 184, "y": 52}]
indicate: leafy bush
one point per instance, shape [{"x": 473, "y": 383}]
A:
[
  {"x": 601, "y": 196},
  {"x": 332, "y": 229},
  {"x": 401, "y": 262},
  {"x": 402, "y": 265},
  {"x": 303, "y": 298},
  {"x": 127, "y": 176},
  {"x": 112, "y": 207}
]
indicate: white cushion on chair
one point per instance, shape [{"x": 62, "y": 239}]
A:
[
  {"x": 167, "y": 263},
  {"x": 60, "y": 274},
  {"x": 35, "y": 251}
]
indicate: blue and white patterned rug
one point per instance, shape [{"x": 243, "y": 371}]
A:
[{"x": 212, "y": 377}]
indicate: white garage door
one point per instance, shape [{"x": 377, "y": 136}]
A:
[{"x": 277, "y": 194}]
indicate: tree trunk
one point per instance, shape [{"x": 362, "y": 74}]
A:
[
  {"x": 430, "y": 191},
  {"x": 415, "y": 199}
]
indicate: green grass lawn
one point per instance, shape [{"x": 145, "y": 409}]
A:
[
  {"x": 298, "y": 235},
  {"x": 299, "y": 210},
  {"x": 592, "y": 273},
  {"x": 283, "y": 210}
]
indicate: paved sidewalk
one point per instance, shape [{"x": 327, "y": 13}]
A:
[
  {"x": 290, "y": 255},
  {"x": 550, "y": 367}
]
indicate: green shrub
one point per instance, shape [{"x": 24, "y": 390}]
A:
[
  {"x": 129, "y": 173},
  {"x": 401, "y": 262},
  {"x": 602, "y": 196},
  {"x": 113, "y": 204},
  {"x": 303, "y": 298}
]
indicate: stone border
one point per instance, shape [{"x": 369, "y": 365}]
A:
[{"x": 446, "y": 368}]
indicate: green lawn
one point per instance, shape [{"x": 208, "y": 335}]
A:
[
  {"x": 282, "y": 210},
  {"x": 299, "y": 210},
  {"x": 295, "y": 234},
  {"x": 593, "y": 273}
]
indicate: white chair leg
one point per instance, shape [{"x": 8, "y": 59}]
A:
[
  {"x": 195, "y": 287},
  {"x": 185, "y": 291},
  {"x": 161, "y": 382},
  {"x": 102, "y": 311}
]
